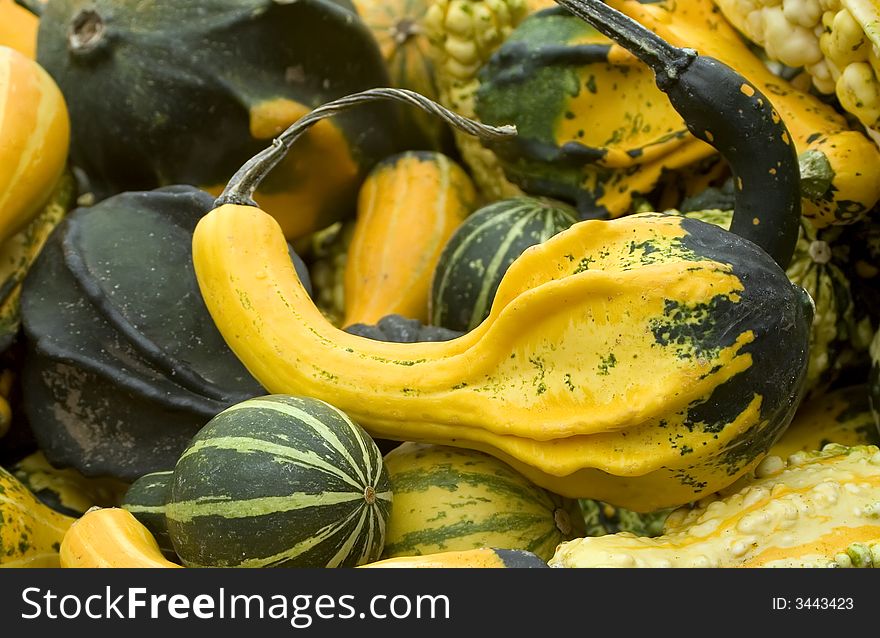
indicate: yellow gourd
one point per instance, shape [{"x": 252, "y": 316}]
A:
[
  {"x": 34, "y": 139},
  {"x": 111, "y": 537}
]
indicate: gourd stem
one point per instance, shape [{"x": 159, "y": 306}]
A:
[
  {"x": 666, "y": 60},
  {"x": 34, "y": 6},
  {"x": 241, "y": 188}
]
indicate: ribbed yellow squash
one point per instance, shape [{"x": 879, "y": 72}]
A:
[
  {"x": 408, "y": 207},
  {"x": 34, "y": 139},
  {"x": 111, "y": 537},
  {"x": 30, "y": 532}
]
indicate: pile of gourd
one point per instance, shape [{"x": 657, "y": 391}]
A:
[{"x": 439, "y": 283}]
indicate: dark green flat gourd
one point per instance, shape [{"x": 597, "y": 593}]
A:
[
  {"x": 399, "y": 329},
  {"x": 481, "y": 250},
  {"x": 123, "y": 363},
  {"x": 279, "y": 481},
  {"x": 170, "y": 92}
]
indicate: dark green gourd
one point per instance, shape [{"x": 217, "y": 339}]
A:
[
  {"x": 123, "y": 363},
  {"x": 279, "y": 481},
  {"x": 146, "y": 500}
]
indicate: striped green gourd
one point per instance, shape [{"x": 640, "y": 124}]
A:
[
  {"x": 481, "y": 250},
  {"x": 279, "y": 481},
  {"x": 456, "y": 499},
  {"x": 146, "y": 500}
]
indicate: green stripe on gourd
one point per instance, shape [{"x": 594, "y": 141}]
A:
[
  {"x": 481, "y": 250},
  {"x": 279, "y": 481},
  {"x": 814, "y": 268},
  {"x": 452, "y": 499},
  {"x": 147, "y": 499}
]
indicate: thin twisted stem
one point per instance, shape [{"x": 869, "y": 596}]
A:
[{"x": 241, "y": 188}]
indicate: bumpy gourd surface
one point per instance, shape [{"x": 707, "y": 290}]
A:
[
  {"x": 820, "y": 509},
  {"x": 662, "y": 355}
]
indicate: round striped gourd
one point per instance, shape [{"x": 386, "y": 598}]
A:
[
  {"x": 451, "y": 499},
  {"x": 279, "y": 481},
  {"x": 146, "y": 500},
  {"x": 408, "y": 208},
  {"x": 479, "y": 253}
]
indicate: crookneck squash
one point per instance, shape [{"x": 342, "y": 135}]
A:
[
  {"x": 181, "y": 92},
  {"x": 408, "y": 208},
  {"x": 478, "y": 558},
  {"x": 664, "y": 355},
  {"x": 122, "y": 364},
  {"x": 818, "y": 509},
  {"x": 34, "y": 139},
  {"x": 18, "y": 253}
]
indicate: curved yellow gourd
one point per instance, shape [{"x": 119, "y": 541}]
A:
[
  {"x": 408, "y": 207},
  {"x": 34, "y": 139},
  {"x": 111, "y": 537},
  {"x": 30, "y": 532},
  {"x": 853, "y": 160},
  {"x": 553, "y": 381},
  {"x": 821, "y": 509}
]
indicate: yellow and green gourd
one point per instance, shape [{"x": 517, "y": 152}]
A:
[
  {"x": 66, "y": 490},
  {"x": 30, "y": 532},
  {"x": 452, "y": 499}
]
